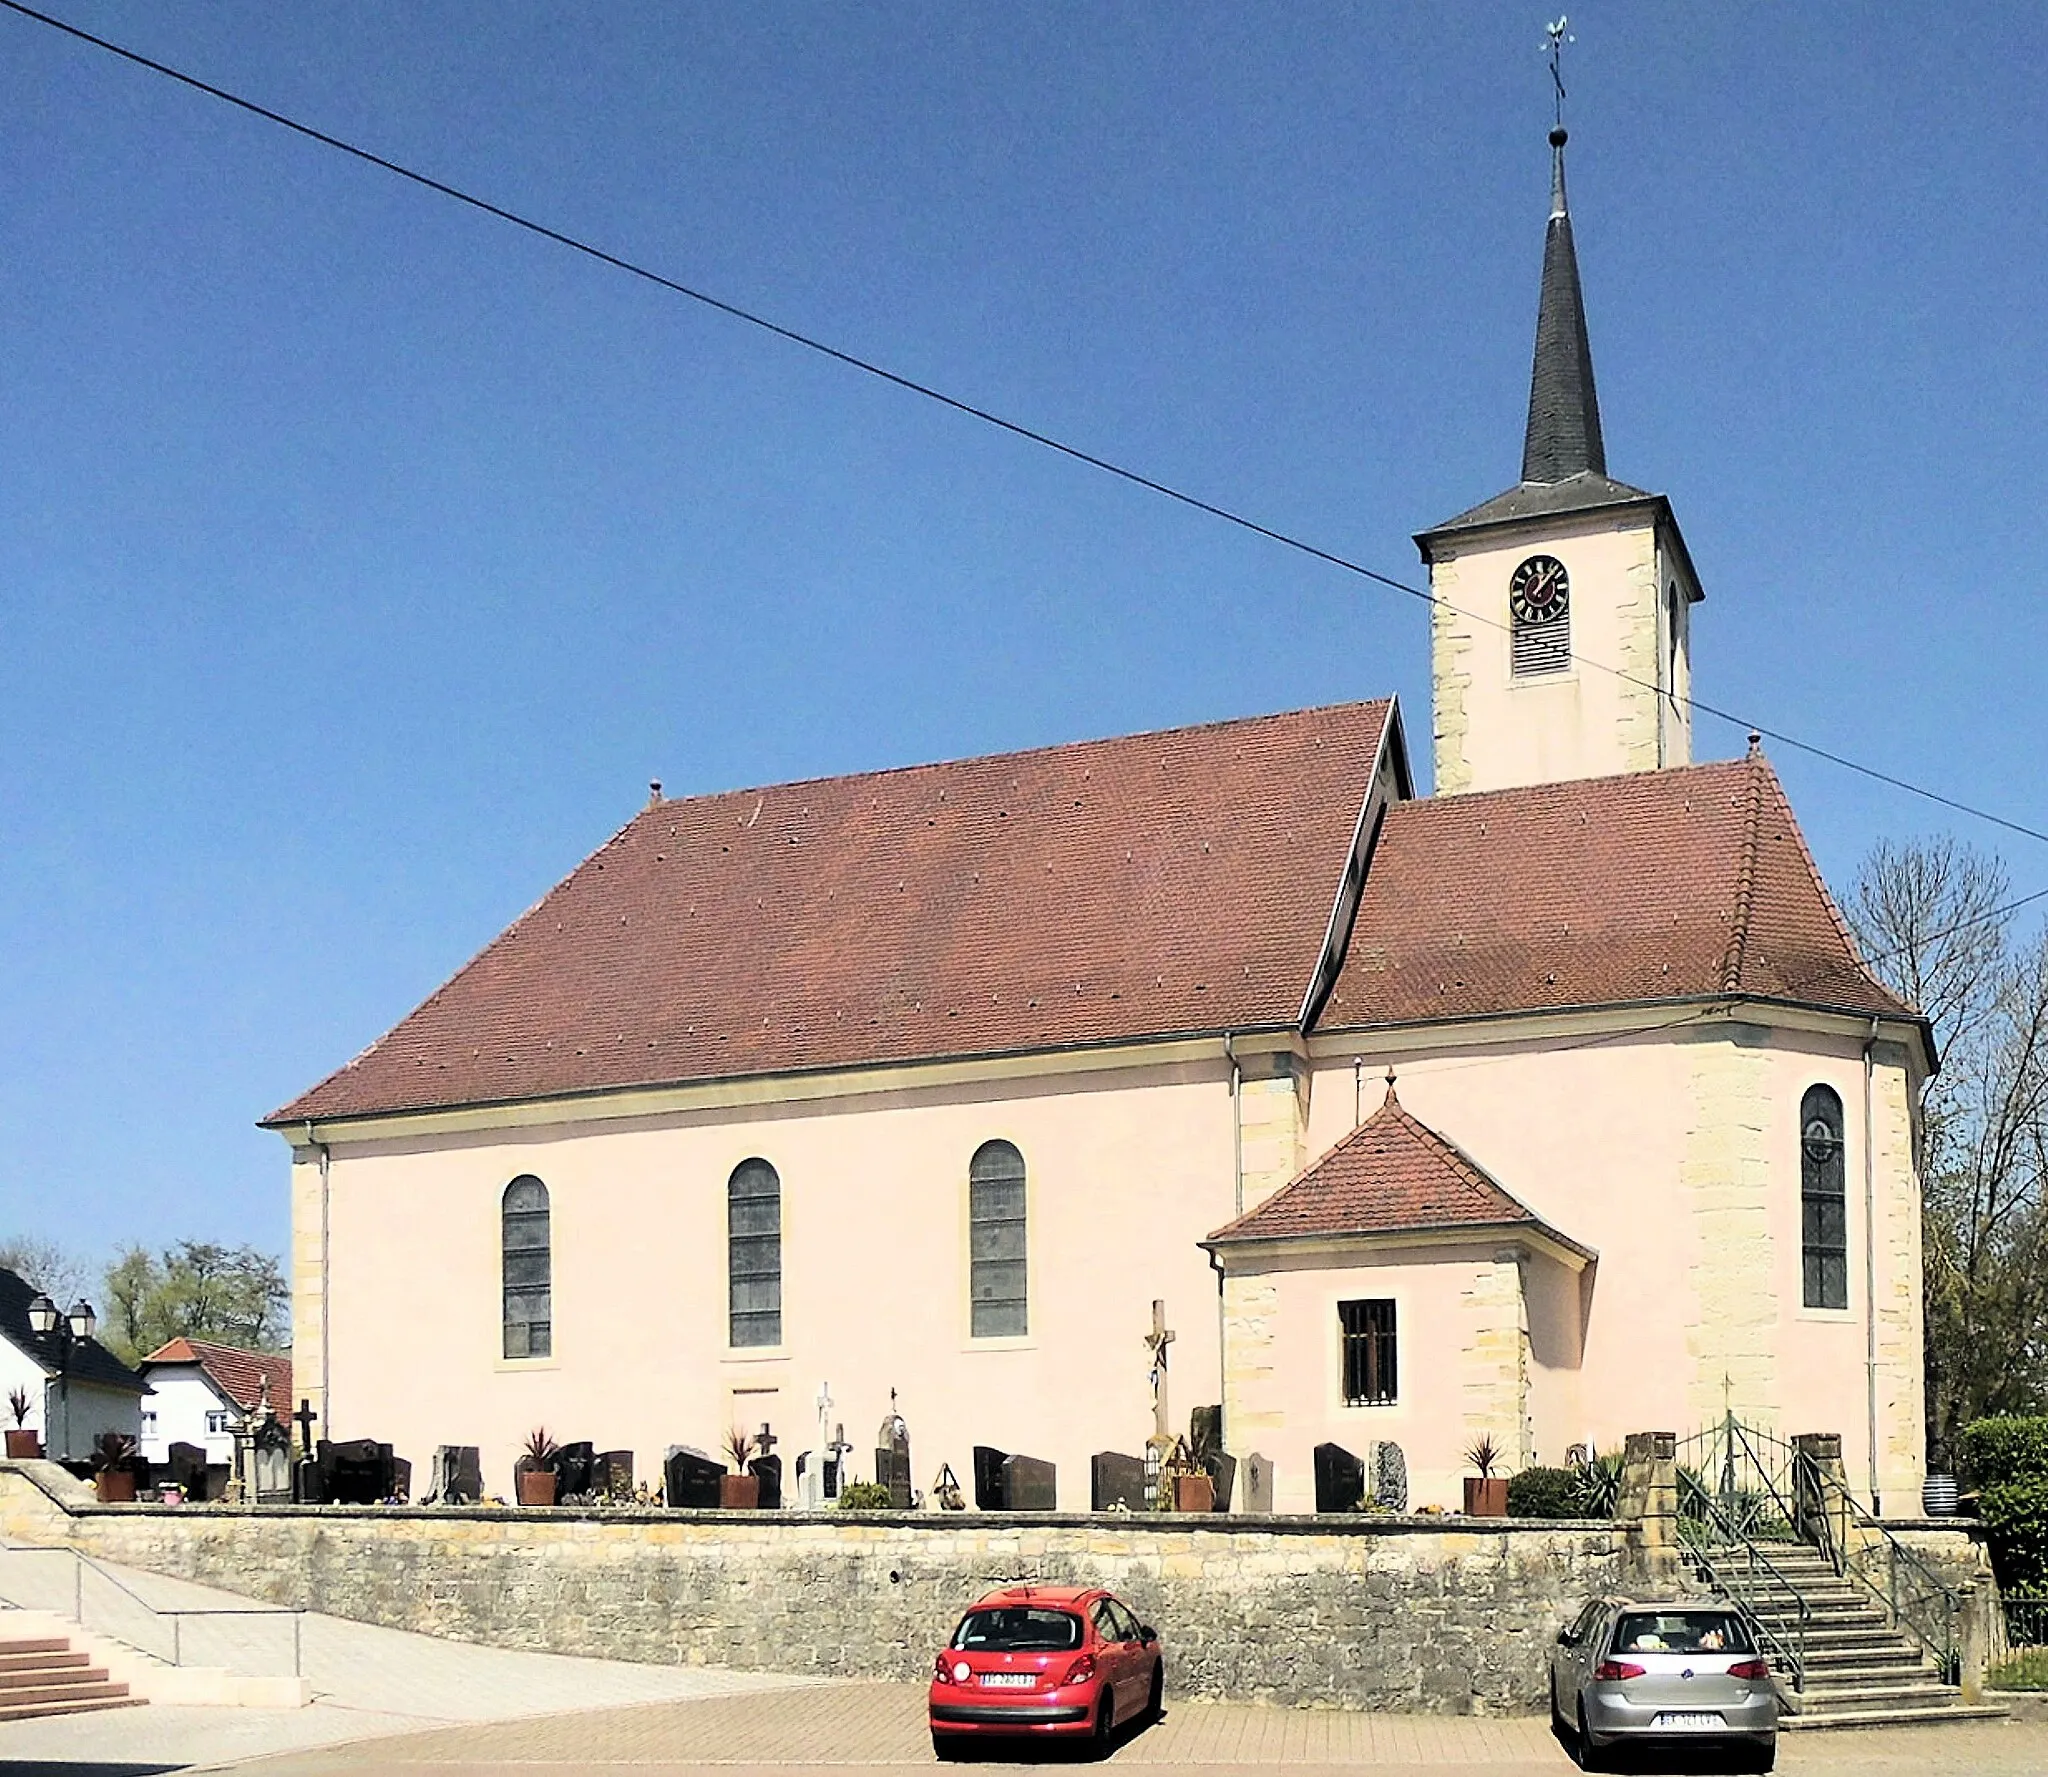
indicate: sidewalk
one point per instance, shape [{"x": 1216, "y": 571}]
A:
[{"x": 366, "y": 1681}]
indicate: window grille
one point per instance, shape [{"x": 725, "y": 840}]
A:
[
  {"x": 1371, "y": 1365},
  {"x": 529, "y": 1299},
  {"x": 753, "y": 1211},
  {"x": 1823, "y": 1202},
  {"x": 996, "y": 1237},
  {"x": 1543, "y": 645}
]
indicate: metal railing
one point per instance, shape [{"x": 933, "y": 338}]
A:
[
  {"x": 1914, "y": 1597},
  {"x": 2024, "y": 1624},
  {"x": 31, "y": 1578},
  {"x": 1733, "y": 1561},
  {"x": 1749, "y": 1476}
]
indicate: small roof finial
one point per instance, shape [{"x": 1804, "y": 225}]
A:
[
  {"x": 654, "y": 792},
  {"x": 1756, "y": 744},
  {"x": 1391, "y": 1099},
  {"x": 1555, "y": 38}
]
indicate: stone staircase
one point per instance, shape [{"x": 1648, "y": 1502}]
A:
[
  {"x": 40, "y": 1675},
  {"x": 1860, "y": 1671}
]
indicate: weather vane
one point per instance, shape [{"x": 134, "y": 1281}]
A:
[{"x": 1556, "y": 37}]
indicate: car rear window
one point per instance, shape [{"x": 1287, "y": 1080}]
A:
[
  {"x": 1681, "y": 1632},
  {"x": 1019, "y": 1629}
]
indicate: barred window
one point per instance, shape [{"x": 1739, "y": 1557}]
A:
[
  {"x": 753, "y": 1220},
  {"x": 529, "y": 1269},
  {"x": 995, "y": 1217},
  {"x": 1823, "y": 1203},
  {"x": 1372, "y": 1375}
]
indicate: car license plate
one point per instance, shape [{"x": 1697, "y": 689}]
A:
[
  {"x": 1687, "y": 1718},
  {"x": 1020, "y": 1681}
]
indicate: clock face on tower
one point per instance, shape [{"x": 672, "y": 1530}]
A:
[{"x": 1539, "y": 589}]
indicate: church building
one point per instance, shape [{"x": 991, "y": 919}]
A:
[{"x": 1551, "y": 1106}]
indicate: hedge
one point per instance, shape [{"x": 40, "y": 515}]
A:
[
  {"x": 2006, "y": 1461},
  {"x": 1544, "y": 1493}
]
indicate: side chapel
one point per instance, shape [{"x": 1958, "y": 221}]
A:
[{"x": 1554, "y": 1105}]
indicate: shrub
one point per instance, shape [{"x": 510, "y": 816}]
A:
[
  {"x": 864, "y": 1496},
  {"x": 2006, "y": 1460},
  {"x": 1543, "y": 1493}
]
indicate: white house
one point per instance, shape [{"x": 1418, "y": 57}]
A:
[
  {"x": 203, "y": 1394},
  {"x": 76, "y": 1388}
]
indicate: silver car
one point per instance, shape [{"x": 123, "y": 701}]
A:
[{"x": 1625, "y": 1671}]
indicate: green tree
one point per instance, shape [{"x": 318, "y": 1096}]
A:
[{"x": 195, "y": 1290}]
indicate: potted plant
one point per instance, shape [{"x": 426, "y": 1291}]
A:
[
  {"x": 1194, "y": 1491},
  {"x": 22, "y": 1444},
  {"x": 533, "y": 1480},
  {"x": 1486, "y": 1493},
  {"x": 739, "y": 1492},
  {"x": 113, "y": 1458}
]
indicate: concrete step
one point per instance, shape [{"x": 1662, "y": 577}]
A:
[
  {"x": 31, "y": 1644},
  {"x": 1826, "y": 1699},
  {"x": 76, "y": 1706},
  {"x": 59, "y": 1671},
  {"x": 38, "y": 1662},
  {"x": 61, "y": 1693},
  {"x": 1891, "y": 1718}
]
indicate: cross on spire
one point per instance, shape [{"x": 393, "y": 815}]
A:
[{"x": 1563, "y": 437}]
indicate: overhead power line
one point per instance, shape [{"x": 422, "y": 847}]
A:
[{"x": 1015, "y": 428}]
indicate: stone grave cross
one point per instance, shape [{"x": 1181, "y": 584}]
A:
[
  {"x": 765, "y": 1441},
  {"x": 1156, "y": 1342},
  {"x": 305, "y": 1417}
]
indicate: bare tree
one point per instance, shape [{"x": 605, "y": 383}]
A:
[
  {"x": 1934, "y": 923},
  {"x": 60, "y": 1274}
]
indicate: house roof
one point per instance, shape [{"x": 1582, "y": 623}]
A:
[
  {"x": 1686, "y": 883},
  {"x": 1390, "y": 1175},
  {"x": 1178, "y": 882},
  {"x": 90, "y": 1361},
  {"x": 237, "y": 1374}
]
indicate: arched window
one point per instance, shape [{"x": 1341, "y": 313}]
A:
[
  {"x": 1540, "y": 613},
  {"x": 995, "y": 1232},
  {"x": 1823, "y": 1206},
  {"x": 753, "y": 1241},
  {"x": 529, "y": 1269}
]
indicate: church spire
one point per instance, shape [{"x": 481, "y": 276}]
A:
[{"x": 1563, "y": 438}]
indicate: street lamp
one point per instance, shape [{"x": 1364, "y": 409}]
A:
[{"x": 63, "y": 1331}]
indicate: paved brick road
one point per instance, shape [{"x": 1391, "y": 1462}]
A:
[{"x": 841, "y": 1726}]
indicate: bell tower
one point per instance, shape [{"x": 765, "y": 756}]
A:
[{"x": 1560, "y": 642}]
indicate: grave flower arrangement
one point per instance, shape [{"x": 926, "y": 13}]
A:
[
  {"x": 21, "y": 1442},
  {"x": 533, "y": 1479},
  {"x": 1486, "y": 1493},
  {"x": 740, "y": 1491},
  {"x": 113, "y": 1462}
]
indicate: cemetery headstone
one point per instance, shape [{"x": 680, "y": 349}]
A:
[
  {"x": 307, "y": 1487},
  {"x": 219, "y": 1476},
  {"x": 187, "y": 1469},
  {"x": 359, "y": 1472},
  {"x": 401, "y": 1479},
  {"x": 1030, "y": 1484},
  {"x": 1116, "y": 1482},
  {"x": 1205, "y": 1431},
  {"x": 768, "y": 1471},
  {"x": 270, "y": 1460},
  {"x": 574, "y": 1465},
  {"x": 1221, "y": 1468},
  {"x": 458, "y": 1474},
  {"x": 988, "y": 1478},
  {"x": 614, "y": 1476},
  {"x": 1389, "y": 1477},
  {"x": 1340, "y": 1479},
  {"x": 1258, "y": 1483},
  {"x": 892, "y": 1457},
  {"x": 691, "y": 1478}
]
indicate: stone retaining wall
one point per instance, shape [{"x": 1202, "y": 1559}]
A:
[{"x": 1436, "y": 1616}]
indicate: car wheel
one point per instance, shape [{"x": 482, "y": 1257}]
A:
[
  {"x": 945, "y": 1746},
  {"x": 1764, "y": 1758},
  {"x": 1558, "y": 1725},
  {"x": 1155, "y": 1704},
  {"x": 1105, "y": 1726},
  {"x": 1592, "y": 1755}
]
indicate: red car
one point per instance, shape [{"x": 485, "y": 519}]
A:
[{"x": 1045, "y": 1660}]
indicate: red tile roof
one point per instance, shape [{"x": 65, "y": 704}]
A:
[
  {"x": 238, "y": 1374},
  {"x": 1176, "y": 882},
  {"x": 1675, "y": 884},
  {"x": 1390, "y": 1175}
]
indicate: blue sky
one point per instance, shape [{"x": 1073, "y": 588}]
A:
[{"x": 362, "y": 559}]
